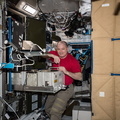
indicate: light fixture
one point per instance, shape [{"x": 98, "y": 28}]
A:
[{"x": 29, "y": 9}]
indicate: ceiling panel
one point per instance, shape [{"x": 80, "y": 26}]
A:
[{"x": 49, "y": 6}]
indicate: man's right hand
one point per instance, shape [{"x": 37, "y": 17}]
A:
[{"x": 56, "y": 58}]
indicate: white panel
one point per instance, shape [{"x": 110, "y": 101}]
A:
[
  {"x": 81, "y": 113},
  {"x": 0, "y": 50}
]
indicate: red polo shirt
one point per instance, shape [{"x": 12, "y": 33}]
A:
[{"x": 70, "y": 63}]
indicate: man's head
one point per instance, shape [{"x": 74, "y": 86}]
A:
[{"x": 62, "y": 49}]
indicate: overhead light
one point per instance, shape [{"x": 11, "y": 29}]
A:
[
  {"x": 29, "y": 9},
  {"x": 26, "y": 8}
]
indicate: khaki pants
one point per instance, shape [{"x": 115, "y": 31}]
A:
[{"x": 56, "y": 103}]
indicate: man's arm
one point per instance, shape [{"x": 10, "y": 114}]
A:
[
  {"x": 76, "y": 76},
  {"x": 56, "y": 58}
]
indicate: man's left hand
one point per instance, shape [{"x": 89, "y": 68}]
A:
[{"x": 63, "y": 69}]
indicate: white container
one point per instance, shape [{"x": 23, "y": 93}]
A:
[
  {"x": 32, "y": 79},
  {"x": 19, "y": 78},
  {"x": 51, "y": 78}
]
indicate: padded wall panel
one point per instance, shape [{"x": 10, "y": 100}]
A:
[
  {"x": 117, "y": 97},
  {"x": 116, "y": 56},
  {"x": 117, "y": 19},
  {"x": 103, "y": 97},
  {"x": 102, "y": 56},
  {"x": 117, "y": 27},
  {"x": 103, "y": 19}
]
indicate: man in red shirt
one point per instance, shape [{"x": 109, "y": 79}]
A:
[{"x": 65, "y": 62}]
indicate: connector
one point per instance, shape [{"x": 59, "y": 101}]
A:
[{"x": 7, "y": 65}]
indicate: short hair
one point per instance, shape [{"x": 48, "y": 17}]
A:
[{"x": 63, "y": 42}]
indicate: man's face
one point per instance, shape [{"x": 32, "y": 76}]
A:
[{"x": 62, "y": 50}]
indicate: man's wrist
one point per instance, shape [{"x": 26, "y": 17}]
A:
[{"x": 67, "y": 73}]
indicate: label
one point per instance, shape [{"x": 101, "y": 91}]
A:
[
  {"x": 105, "y": 5},
  {"x": 55, "y": 81},
  {"x": 102, "y": 94}
]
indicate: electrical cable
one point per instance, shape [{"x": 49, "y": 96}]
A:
[
  {"x": 12, "y": 57},
  {"x": 38, "y": 47},
  {"x": 4, "y": 65},
  {"x": 4, "y": 47},
  {"x": 26, "y": 64},
  {"x": 2, "y": 100},
  {"x": 20, "y": 58}
]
